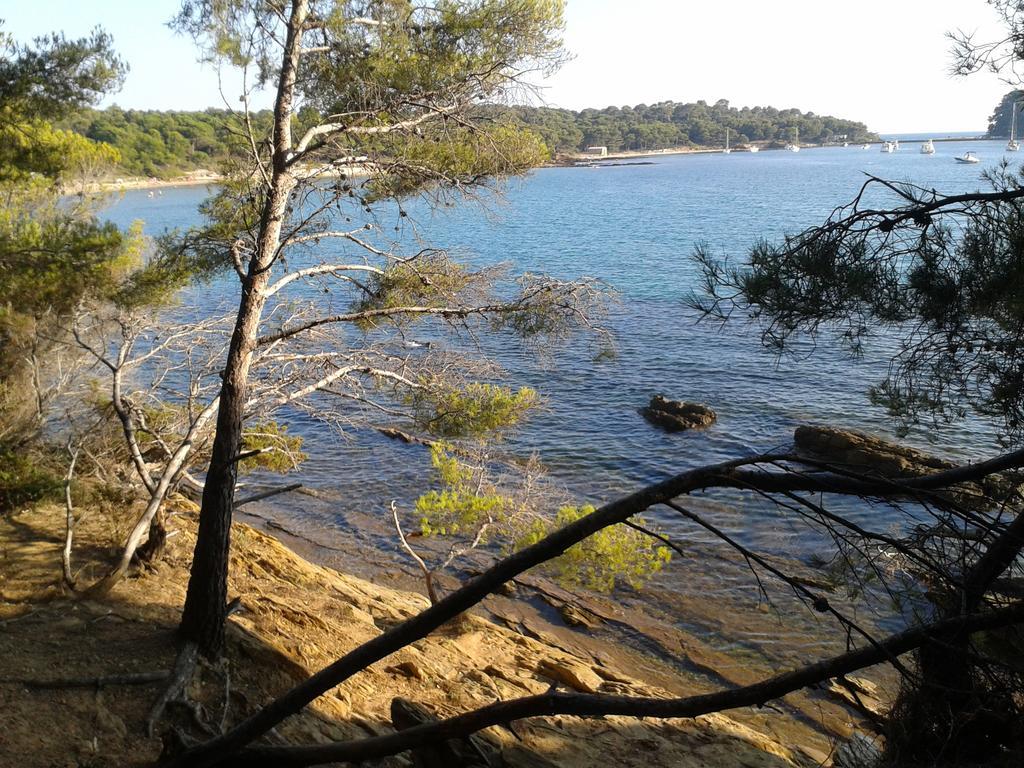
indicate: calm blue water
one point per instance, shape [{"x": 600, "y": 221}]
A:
[{"x": 635, "y": 227}]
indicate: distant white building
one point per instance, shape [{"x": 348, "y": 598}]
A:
[{"x": 596, "y": 151}]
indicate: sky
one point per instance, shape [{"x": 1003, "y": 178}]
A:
[{"x": 883, "y": 62}]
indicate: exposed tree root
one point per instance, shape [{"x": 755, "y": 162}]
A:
[
  {"x": 181, "y": 675},
  {"x": 131, "y": 678}
]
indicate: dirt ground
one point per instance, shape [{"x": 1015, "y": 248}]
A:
[{"x": 295, "y": 618}]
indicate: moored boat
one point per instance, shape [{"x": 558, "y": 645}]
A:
[
  {"x": 795, "y": 146},
  {"x": 1013, "y": 145}
]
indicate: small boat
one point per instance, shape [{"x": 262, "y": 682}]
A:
[
  {"x": 795, "y": 146},
  {"x": 753, "y": 148},
  {"x": 1013, "y": 145},
  {"x": 928, "y": 148},
  {"x": 968, "y": 158},
  {"x": 888, "y": 147},
  {"x": 726, "y": 151},
  {"x": 866, "y": 146}
]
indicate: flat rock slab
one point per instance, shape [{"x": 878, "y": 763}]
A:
[
  {"x": 857, "y": 449},
  {"x": 872, "y": 455}
]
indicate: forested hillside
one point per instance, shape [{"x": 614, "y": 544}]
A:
[
  {"x": 671, "y": 124},
  {"x": 999, "y": 122},
  {"x": 164, "y": 144}
]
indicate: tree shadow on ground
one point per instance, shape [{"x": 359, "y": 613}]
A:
[{"x": 296, "y": 617}]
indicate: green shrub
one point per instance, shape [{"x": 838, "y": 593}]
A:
[
  {"x": 612, "y": 555},
  {"x": 473, "y": 506},
  {"x": 24, "y": 479}
]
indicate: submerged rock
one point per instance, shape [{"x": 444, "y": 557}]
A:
[{"x": 677, "y": 415}]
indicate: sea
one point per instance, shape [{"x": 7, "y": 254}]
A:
[{"x": 635, "y": 227}]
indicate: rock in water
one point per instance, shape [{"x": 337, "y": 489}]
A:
[
  {"x": 871, "y": 455},
  {"x": 676, "y": 415},
  {"x": 856, "y": 449}
]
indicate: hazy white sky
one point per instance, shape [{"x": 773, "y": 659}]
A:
[{"x": 884, "y": 62}]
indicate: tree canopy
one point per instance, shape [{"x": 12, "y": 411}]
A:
[
  {"x": 53, "y": 75},
  {"x": 53, "y": 254}
]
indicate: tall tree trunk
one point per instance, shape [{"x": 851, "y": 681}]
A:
[{"x": 205, "y": 612}]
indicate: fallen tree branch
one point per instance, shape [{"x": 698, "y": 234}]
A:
[
  {"x": 69, "y": 526},
  {"x": 171, "y": 472},
  {"x": 130, "y": 678},
  {"x": 180, "y": 675}
]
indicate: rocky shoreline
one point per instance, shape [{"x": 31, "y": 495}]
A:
[{"x": 296, "y": 617}]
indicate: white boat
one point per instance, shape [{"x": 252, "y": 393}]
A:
[
  {"x": 726, "y": 151},
  {"x": 888, "y": 147},
  {"x": 795, "y": 146},
  {"x": 1013, "y": 145},
  {"x": 866, "y": 146},
  {"x": 968, "y": 158},
  {"x": 928, "y": 148},
  {"x": 753, "y": 148}
]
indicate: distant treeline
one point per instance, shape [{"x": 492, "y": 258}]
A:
[
  {"x": 166, "y": 144},
  {"x": 671, "y": 124}
]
